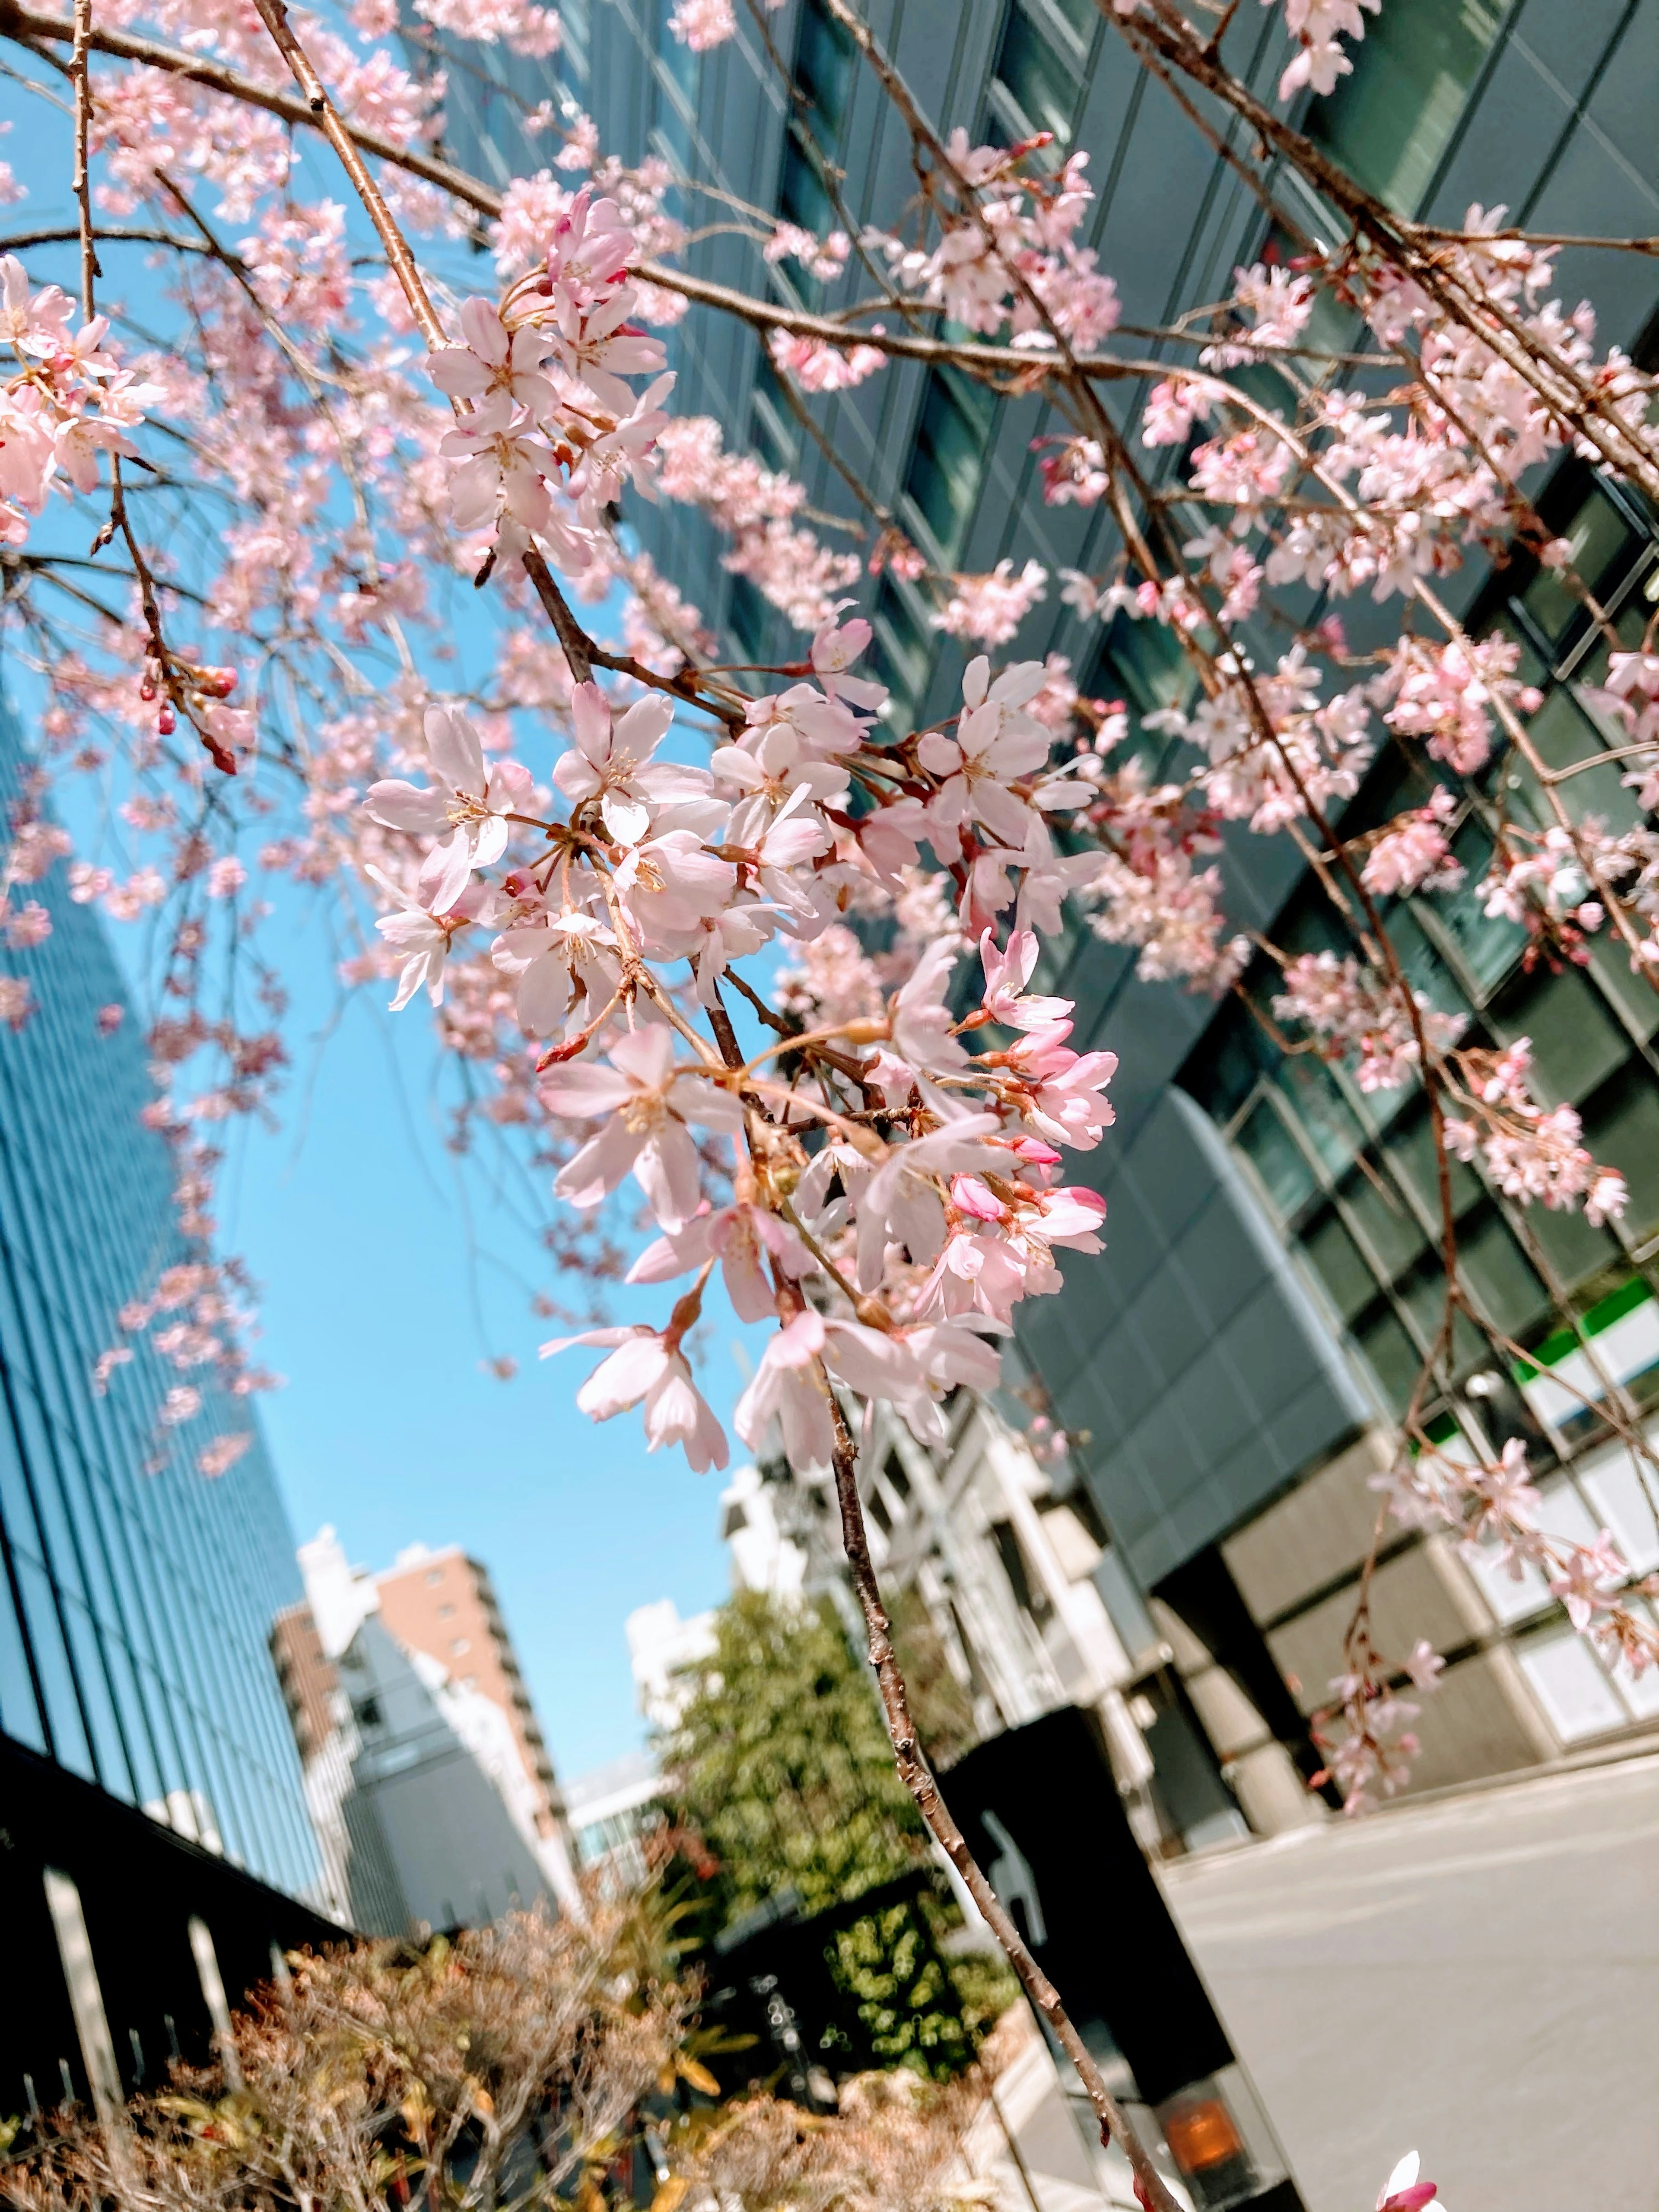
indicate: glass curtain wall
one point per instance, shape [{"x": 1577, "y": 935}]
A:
[{"x": 136, "y": 1593}]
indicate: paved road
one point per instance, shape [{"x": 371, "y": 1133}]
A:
[{"x": 1478, "y": 1979}]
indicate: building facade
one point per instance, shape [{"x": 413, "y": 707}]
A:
[
  {"x": 430, "y": 1788},
  {"x": 444, "y": 1604},
  {"x": 1230, "y": 1370},
  {"x": 144, "y": 1736}
]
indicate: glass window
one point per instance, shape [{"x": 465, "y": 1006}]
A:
[
  {"x": 1409, "y": 1151},
  {"x": 1600, "y": 538},
  {"x": 1565, "y": 735},
  {"x": 1626, "y": 1498},
  {"x": 1621, "y": 1129},
  {"x": 1498, "y": 1272},
  {"x": 1571, "y": 1687},
  {"x": 1391, "y": 120},
  {"x": 1277, "y": 1157},
  {"x": 69, "y": 1738},
  {"x": 1041, "y": 81},
  {"x": 97, "y": 1702},
  {"x": 1424, "y": 971},
  {"x": 748, "y": 614},
  {"x": 20, "y": 1715},
  {"x": 1386, "y": 1225},
  {"x": 1324, "y": 1115},
  {"x": 953, "y": 435},
  {"x": 823, "y": 72},
  {"x": 1393, "y": 1359},
  {"x": 1575, "y": 1040},
  {"x": 1572, "y": 1250},
  {"x": 1487, "y": 948},
  {"x": 775, "y": 429},
  {"x": 804, "y": 200},
  {"x": 1640, "y": 1692},
  {"x": 1233, "y": 1051},
  {"x": 1339, "y": 1263},
  {"x": 904, "y": 648},
  {"x": 1510, "y": 1587}
]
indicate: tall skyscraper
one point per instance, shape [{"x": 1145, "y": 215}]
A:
[
  {"x": 1236, "y": 1362},
  {"x": 145, "y": 1755}
]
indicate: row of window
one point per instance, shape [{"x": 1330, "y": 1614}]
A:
[
  {"x": 133, "y": 1605},
  {"x": 1352, "y": 1178}
]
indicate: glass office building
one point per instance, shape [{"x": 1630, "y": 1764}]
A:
[
  {"x": 1234, "y": 1360},
  {"x": 137, "y": 1595}
]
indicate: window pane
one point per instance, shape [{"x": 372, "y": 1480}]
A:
[
  {"x": 1277, "y": 1158},
  {"x": 1488, "y": 949},
  {"x": 68, "y": 1740},
  {"x": 1572, "y": 1688},
  {"x": 1226, "y": 1061},
  {"x": 19, "y": 1717},
  {"x": 1395, "y": 1359},
  {"x": 1573, "y": 1250},
  {"x": 802, "y": 199},
  {"x": 1392, "y": 118},
  {"x": 1598, "y": 537},
  {"x": 1575, "y": 1040},
  {"x": 1043, "y": 84},
  {"x": 1623, "y": 1133},
  {"x": 1339, "y": 1263},
  {"x": 1386, "y": 1224},
  {"x": 824, "y": 72},
  {"x": 1409, "y": 1151},
  {"x": 1563, "y": 736},
  {"x": 1498, "y": 1272},
  {"x": 904, "y": 651},
  {"x": 1144, "y": 661},
  {"x": 1323, "y": 1113},
  {"x": 952, "y": 435}
]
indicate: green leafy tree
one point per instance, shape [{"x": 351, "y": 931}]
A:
[{"x": 782, "y": 1761}]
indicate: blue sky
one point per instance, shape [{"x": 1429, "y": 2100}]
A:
[{"x": 387, "y": 1278}]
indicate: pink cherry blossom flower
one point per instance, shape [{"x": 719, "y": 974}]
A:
[
  {"x": 991, "y": 608},
  {"x": 612, "y": 761},
  {"x": 787, "y": 1388},
  {"x": 742, "y": 1238},
  {"x": 1007, "y": 974},
  {"x": 995, "y": 744},
  {"x": 467, "y": 799},
  {"x": 648, "y": 1103},
  {"x": 493, "y": 358},
  {"x": 647, "y": 1366},
  {"x": 1402, "y": 2191}
]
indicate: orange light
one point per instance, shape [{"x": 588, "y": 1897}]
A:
[{"x": 1202, "y": 2134}]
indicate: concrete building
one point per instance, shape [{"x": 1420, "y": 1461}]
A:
[
  {"x": 1231, "y": 1368},
  {"x": 659, "y": 1644},
  {"x": 612, "y": 1809},
  {"x": 444, "y": 1604},
  {"x": 429, "y": 1810}
]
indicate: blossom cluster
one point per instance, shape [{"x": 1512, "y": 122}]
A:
[
  {"x": 69, "y": 401},
  {"x": 895, "y": 1190}
]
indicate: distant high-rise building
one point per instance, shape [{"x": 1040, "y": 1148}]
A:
[
  {"x": 430, "y": 1787},
  {"x": 444, "y": 1603},
  {"x": 143, "y": 1748}
]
